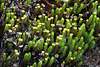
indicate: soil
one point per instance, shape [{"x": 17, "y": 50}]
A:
[{"x": 92, "y": 58}]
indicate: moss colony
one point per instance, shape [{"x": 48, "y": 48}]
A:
[{"x": 47, "y": 33}]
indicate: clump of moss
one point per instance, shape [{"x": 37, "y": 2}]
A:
[{"x": 39, "y": 34}]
